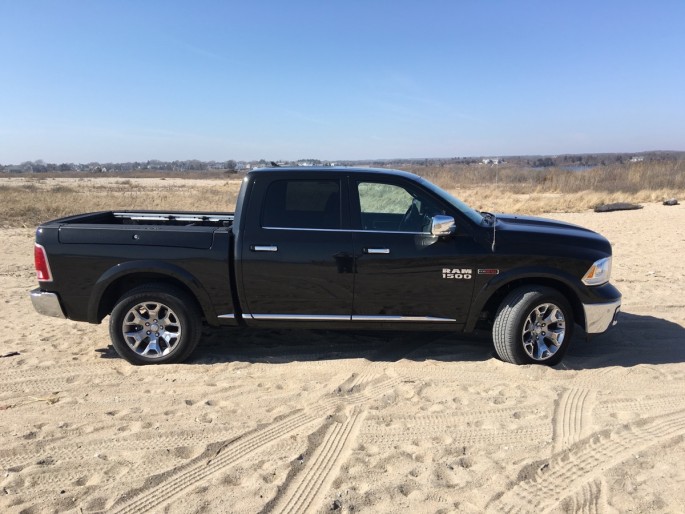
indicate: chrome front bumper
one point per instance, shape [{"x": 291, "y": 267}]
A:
[
  {"x": 600, "y": 316},
  {"x": 46, "y": 303}
]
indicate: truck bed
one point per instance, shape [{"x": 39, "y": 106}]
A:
[{"x": 143, "y": 228}]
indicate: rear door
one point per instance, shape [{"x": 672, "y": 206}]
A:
[
  {"x": 296, "y": 254},
  {"x": 400, "y": 267}
]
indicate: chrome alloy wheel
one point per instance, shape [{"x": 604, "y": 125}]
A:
[
  {"x": 151, "y": 329},
  {"x": 544, "y": 331}
]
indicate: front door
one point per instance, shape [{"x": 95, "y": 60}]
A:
[{"x": 400, "y": 266}]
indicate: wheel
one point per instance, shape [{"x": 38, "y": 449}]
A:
[
  {"x": 155, "y": 324},
  {"x": 533, "y": 325}
]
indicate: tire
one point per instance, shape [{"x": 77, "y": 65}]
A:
[
  {"x": 533, "y": 325},
  {"x": 155, "y": 324}
]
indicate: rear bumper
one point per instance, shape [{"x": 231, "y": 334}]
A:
[
  {"x": 600, "y": 316},
  {"x": 47, "y": 304}
]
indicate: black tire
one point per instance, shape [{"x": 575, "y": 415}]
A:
[
  {"x": 141, "y": 338},
  {"x": 529, "y": 322}
]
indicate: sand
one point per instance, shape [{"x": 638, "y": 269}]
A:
[{"x": 299, "y": 421}]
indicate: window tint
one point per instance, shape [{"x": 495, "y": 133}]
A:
[
  {"x": 302, "y": 204},
  {"x": 388, "y": 207}
]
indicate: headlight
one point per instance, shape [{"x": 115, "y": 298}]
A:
[{"x": 598, "y": 273}]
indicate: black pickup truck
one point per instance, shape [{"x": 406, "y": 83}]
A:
[{"x": 327, "y": 248}]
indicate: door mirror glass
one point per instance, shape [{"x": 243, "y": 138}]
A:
[{"x": 442, "y": 225}]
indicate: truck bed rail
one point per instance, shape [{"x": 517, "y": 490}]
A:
[{"x": 185, "y": 217}]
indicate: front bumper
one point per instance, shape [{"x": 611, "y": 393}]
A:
[
  {"x": 47, "y": 303},
  {"x": 600, "y": 316}
]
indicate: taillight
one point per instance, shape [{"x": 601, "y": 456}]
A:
[{"x": 42, "y": 266}]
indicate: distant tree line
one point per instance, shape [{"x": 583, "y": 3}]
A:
[
  {"x": 235, "y": 166},
  {"x": 40, "y": 166}
]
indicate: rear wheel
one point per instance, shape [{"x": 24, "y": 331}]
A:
[
  {"x": 155, "y": 324},
  {"x": 533, "y": 325}
]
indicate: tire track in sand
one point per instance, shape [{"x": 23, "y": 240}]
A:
[
  {"x": 572, "y": 417},
  {"x": 651, "y": 404},
  {"x": 591, "y": 498},
  {"x": 464, "y": 426},
  {"x": 307, "y": 489},
  {"x": 144, "y": 441},
  {"x": 573, "y": 469},
  {"x": 161, "y": 488},
  {"x": 466, "y": 436},
  {"x": 154, "y": 495}
]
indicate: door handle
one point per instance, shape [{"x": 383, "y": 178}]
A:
[
  {"x": 377, "y": 250},
  {"x": 264, "y": 248}
]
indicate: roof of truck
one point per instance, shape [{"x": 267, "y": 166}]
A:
[{"x": 338, "y": 169}]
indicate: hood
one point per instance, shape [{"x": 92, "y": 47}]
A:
[
  {"x": 518, "y": 219},
  {"x": 514, "y": 229}
]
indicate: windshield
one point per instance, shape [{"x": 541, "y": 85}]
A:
[{"x": 472, "y": 214}]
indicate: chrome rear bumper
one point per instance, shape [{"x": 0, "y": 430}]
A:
[
  {"x": 600, "y": 316},
  {"x": 46, "y": 303}
]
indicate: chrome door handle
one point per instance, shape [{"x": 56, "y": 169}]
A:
[
  {"x": 377, "y": 250},
  {"x": 264, "y": 248}
]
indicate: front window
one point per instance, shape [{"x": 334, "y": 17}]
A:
[{"x": 392, "y": 208}]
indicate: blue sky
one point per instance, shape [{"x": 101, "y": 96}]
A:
[{"x": 106, "y": 81}]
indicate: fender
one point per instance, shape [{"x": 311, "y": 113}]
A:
[
  {"x": 528, "y": 273},
  {"x": 148, "y": 266}
]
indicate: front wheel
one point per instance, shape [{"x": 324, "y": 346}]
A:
[
  {"x": 155, "y": 324},
  {"x": 533, "y": 325}
]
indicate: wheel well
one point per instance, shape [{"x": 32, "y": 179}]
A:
[
  {"x": 493, "y": 303},
  {"x": 120, "y": 286}
]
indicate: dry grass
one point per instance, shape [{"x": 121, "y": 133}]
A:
[
  {"x": 29, "y": 200},
  {"x": 502, "y": 199},
  {"x": 534, "y": 191},
  {"x": 629, "y": 178}
]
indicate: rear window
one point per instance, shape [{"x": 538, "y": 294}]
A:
[{"x": 302, "y": 204}]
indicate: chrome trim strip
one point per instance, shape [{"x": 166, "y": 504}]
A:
[
  {"x": 46, "y": 303},
  {"x": 600, "y": 316},
  {"x": 302, "y": 317},
  {"x": 350, "y": 230},
  {"x": 265, "y": 248},
  {"x": 401, "y": 318},
  {"x": 226, "y": 316},
  {"x": 338, "y": 317}
]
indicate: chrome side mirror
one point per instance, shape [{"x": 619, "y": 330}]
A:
[{"x": 442, "y": 225}]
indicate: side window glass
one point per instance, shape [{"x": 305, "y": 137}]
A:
[
  {"x": 383, "y": 198},
  {"x": 387, "y": 207},
  {"x": 302, "y": 204}
]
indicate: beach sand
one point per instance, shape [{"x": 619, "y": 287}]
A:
[{"x": 302, "y": 421}]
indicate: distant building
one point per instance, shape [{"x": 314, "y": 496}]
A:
[{"x": 637, "y": 159}]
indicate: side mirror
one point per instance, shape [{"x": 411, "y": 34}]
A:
[{"x": 442, "y": 225}]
